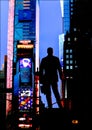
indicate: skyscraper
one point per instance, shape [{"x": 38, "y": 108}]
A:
[
  {"x": 77, "y": 56},
  {"x": 22, "y": 54}
]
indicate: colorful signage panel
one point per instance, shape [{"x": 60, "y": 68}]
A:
[
  {"x": 25, "y": 15},
  {"x": 25, "y": 99}
]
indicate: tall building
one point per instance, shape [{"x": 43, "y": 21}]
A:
[
  {"x": 23, "y": 60},
  {"x": 3, "y": 94},
  {"x": 77, "y": 56}
]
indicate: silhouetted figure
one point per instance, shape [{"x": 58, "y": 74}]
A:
[{"x": 49, "y": 68}]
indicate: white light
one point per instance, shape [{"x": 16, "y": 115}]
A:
[
  {"x": 62, "y": 7},
  {"x": 22, "y": 119}
]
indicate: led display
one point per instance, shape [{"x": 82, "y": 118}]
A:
[
  {"x": 29, "y": 46},
  {"x": 25, "y": 63},
  {"x": 25, "y": 70},
  {"x": 25, "y": 75},
  {"x": 24, "y": 15},
  {"x": 25, "y": 99}
]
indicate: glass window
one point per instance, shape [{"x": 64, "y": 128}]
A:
[
  {"x": 76, "y": 66},
  {"x": 68, "y": 42},
  {"x": 71, "y": 61},
  {"x": 67, "y": 51},
  {"x": 67, "y": 67},
  {"x": 75, "y": 38},
  {"x": 70, "y": 50},
  {"x": 67, "y": 61},
  {"x": 68, "y": 38},
  {"x": 71, "y": 56},
  {"x": 71, "y": 67},
  {"x": 75, "y": 62},
  {"x": 75, "y": 29},
  {"x": 67, "y": 56}
]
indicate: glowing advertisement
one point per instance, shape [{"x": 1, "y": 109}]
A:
[
  {"x": 29, "y": 46},
  {"x": 25, "y": 121},
  {"x": 25, "y": 42},
  {"x": 25, "y": 99},
  {"x": 8, "y": 103},
  {"x": 25, "y": 15},
  {"x": 25, "y": 70},
  {"x": 25, "y": 63}
]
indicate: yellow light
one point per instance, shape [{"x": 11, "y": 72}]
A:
[
  {"x": 25, "y": 46},
  {"x": 75, "y": 121}
]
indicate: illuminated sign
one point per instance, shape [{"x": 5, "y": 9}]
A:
[
  {"x": 25, "y": 70},
  {"x": 25, "y": 63},
  {"x": 24, "y": 15},
  {"x": 25, "y": 41},
  {"x": 75, "y": 121},
  {"x": 25, "y": 99},
  {"x": 25, "y": 75},
  {"x": 29, "y": 46},
  {"x": 24, "y": 125},
  {"x": 26, "y": 93}
]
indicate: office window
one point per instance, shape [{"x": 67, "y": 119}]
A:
[
  {"x": 71, "y": 0},
  {"x": 67, "y": 61},
  {"x": 67, "y": 51},
  {"x": 67, "y": 67},
  {"x": 71, "y": 56},
  {"x": 76, "y": 66},
  {"x": 75, "y": 38},
  {"x": 67, "y": 56},
  {"x": 68, "y": 43},
  {"x": 71, "y": 67},
  {"x": 75, "y": 29},
  {"x": 69, "y": 39},
  {"x": 71, "y": 61},
  {"x": 70, "y": 50}
]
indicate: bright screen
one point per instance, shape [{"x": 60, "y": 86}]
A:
[
  {"x": 24, "y": 15},
  {"x": 25, "y": 75},
  {"x": 25, "y": 99},
  {"x": 25, "y": 70},
  {"x": 25, "y": 63}
]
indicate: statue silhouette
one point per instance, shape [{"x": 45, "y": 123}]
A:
[{"x": 49, "y": 69}]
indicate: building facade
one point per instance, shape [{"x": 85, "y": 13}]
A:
[
  {"x": 23, "y": 60},
  {"x": 77, "y": 56}
]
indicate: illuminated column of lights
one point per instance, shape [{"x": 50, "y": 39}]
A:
[
  {"x": 8, "y": 102},
  {"x": 37, "y": 93},
  {"x": 61, "y": 44},
  {"x": 37, "y": 36},
  {"x": 62, "y": 7},
  {"x": 10, "y": 55},
  {"x": 10, "y": 43},
  {"x": 37, "y": 52}
]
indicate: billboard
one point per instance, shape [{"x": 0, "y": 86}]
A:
[
  {"x": 25, "y": 70},
  {"x": 29, "y": 46},
  {"x": 25, "y": 63},
  {"x": 25, "y": 99},
  {"x": 24, "y": 15}
]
